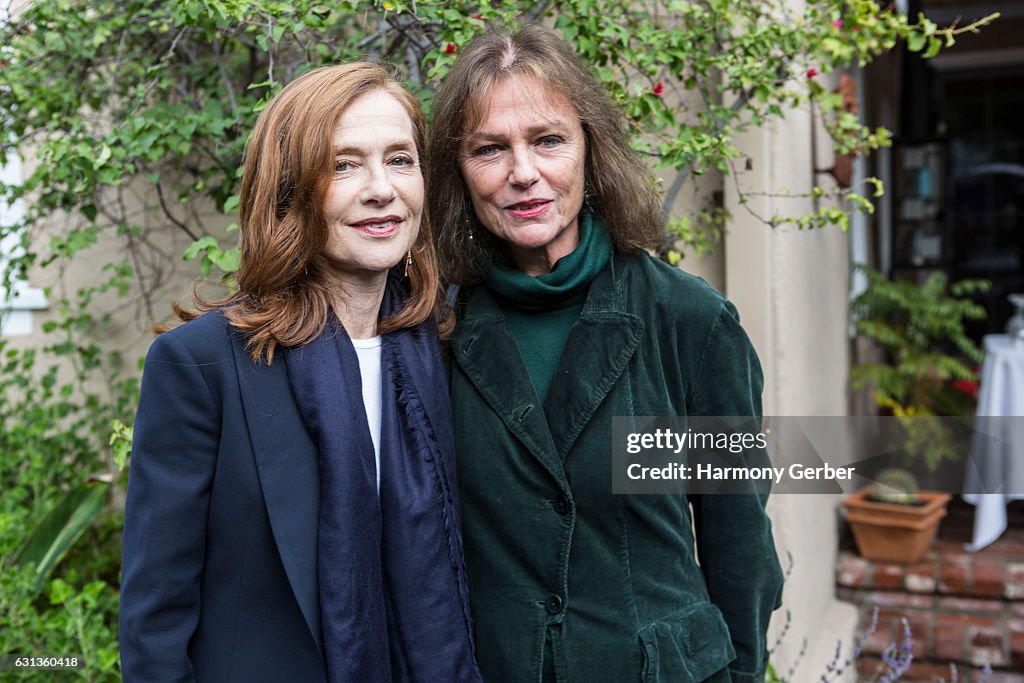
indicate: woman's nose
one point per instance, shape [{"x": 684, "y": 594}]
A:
[
  {"x": 524, "y": 169},
  {"x": 378, "y": 188}
]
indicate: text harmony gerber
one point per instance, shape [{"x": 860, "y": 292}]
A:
[{"x": 707, "y": 472}]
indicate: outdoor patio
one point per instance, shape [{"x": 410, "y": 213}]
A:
[{"x": 963, "y": 608}]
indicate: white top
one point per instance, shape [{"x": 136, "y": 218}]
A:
[{"x": 368, "y": 351}]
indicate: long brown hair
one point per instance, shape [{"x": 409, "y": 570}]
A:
[
  {"x": 618, "y": 184},
  {"x": 283, "y": 294}
]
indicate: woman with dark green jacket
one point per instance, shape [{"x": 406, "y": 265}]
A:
[{"x": 543, "y": 216}]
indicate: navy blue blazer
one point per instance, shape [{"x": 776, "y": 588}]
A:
[{"x": 220, "y": 539}]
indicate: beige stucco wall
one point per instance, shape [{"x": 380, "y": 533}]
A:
[
  {"x": 164, "y": 275},
  {"x": 790, "y": 288}
]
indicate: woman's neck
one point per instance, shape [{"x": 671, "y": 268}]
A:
[{"x": 356, "y": 302}]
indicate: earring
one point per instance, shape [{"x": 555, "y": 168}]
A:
[
  {"x": 469, "y": 224},
  {"x": 408, "y": 262},
  {"x": 586, "y": 196}
]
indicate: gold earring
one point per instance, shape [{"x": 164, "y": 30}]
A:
[{"x": 408, "y": 262}]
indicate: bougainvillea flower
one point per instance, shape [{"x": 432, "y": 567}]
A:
[
  {"x": 449, "y": 48},
  {"x": 812, "y": 72},
  {"x": 658, "y": 88}
]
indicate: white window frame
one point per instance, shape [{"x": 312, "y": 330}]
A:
[{"x": 17, "y": 305}]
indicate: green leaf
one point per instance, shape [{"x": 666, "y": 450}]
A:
[
  {"x": 59, "y": 530},
  {"x": 200, "y": 245},
  {"x": 121, "y": 439},
  {"x": 102, "y": 157},
  {"x": 229, "y": 260}
]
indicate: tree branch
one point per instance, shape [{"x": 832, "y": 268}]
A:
[
  {"x": 222, "y": 69},
  {"x": 170, "y": 216}
]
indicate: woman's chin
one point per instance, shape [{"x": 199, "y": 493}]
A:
[
  {"x": 364, "y": 271},
  {"x": 528, "y": 236},
  {"x": 540, "y": 238}
]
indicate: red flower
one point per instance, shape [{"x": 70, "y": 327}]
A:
[
  {"x": 812, "y": 72},
  {"x": 966, "y": 386},
  {"x": 449, "y": 48},
  {"x": 838, "y": 23},
  {"x": 658, "y": 88}
]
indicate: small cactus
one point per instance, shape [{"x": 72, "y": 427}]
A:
[{"x": 895, "y": 486}]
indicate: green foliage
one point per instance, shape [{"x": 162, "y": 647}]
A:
[
  {"x": 59, "y": 530},
  {"x": 121, "y": 441},
  {"x": 74, "y": 617},
  {"x": 920, "y": 328},
  {"x": 56, "y": 471},
  {"x": 113, "y": 94}
]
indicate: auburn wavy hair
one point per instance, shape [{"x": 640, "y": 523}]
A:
[
  {"x": 618, "y": 184},
  {"x": 283, "y": 296}
]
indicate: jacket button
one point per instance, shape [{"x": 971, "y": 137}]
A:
[
  {"x": 562, "y": 505},
  {"x": 553, "y": 604}
]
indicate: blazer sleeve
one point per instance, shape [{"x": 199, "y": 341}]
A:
[
  {"x": 174, "y": 453},
  {"x": 734, "y": 537}
]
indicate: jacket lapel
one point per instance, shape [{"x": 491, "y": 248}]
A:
[
  {"x": 599, "y": 346},
  {"x": 484, "y": 349},
  {"x": 286, "y": 459}
]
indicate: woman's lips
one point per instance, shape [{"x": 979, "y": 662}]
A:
[
  {"x": 529, "y": 209},
  {"x": 382, "y": 227}
]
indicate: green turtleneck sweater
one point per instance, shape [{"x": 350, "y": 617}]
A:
[{"x": 540, "y": 311}]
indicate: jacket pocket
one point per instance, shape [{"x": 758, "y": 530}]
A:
[{"x": 687, "y": 646}]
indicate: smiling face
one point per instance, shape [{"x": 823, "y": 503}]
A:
[
  {"x": 375, "y": 201},
  {"x": 524, "y": 168}
]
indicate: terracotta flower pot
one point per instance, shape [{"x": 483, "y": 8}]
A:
[{"x": 894, "y": 533}]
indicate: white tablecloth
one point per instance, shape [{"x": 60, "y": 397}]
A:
[{"x": 997, "y": 463}]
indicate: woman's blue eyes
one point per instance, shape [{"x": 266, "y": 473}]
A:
[
  {"x": 486, "y": 150},
  {"x": 546, "y": 141}
]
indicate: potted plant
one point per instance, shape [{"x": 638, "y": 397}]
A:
[
  {"x": 927, "y": 361},
  {"x": 892, "y": 521}
]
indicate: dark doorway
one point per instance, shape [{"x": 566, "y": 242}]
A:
[{"x": 983, "y": 116}]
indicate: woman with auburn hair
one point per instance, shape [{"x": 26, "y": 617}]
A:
[
  {"x": 292, "y": 512},
  {"x": 543, "y": 213}
]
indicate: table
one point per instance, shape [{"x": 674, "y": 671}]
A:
[{"x": 997, "y": 456}]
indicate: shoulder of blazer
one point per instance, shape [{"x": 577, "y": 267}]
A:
[
  {"x": 650, "y": 279},
  {"x": 207, "y": 337},
  {"x": 208, "y": 342}
]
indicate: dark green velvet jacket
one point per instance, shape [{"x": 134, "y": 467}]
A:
[{"x": 612, "y": 580}]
